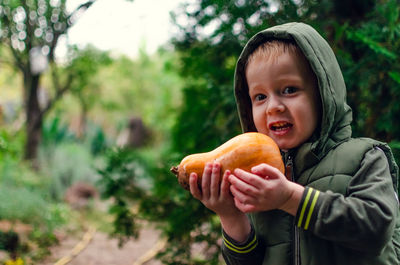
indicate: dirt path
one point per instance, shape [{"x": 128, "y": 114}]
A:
[{"x": 96, "y": 248}]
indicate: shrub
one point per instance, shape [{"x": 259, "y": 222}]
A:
[{"x": 66, "y": 164}]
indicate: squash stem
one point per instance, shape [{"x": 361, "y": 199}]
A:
[{"x": 174, "y": 170}]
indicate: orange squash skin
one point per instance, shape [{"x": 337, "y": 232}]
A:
[{"x": 243, "y": 151}]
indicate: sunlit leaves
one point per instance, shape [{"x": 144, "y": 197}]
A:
[
  {"x": 395, "y": 76},
  {"x": 373, "y": 45},
  {"x": 33, "y": 23}
]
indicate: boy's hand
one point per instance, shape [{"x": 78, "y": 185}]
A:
[
  {"x": 213, "y": 194},
  {"x": 216, "y": 196},
  {"x": 265, "y": 188}
]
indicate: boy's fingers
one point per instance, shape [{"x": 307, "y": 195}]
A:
[
  {"x": 205, "y": 180},
  {"x": 225, "y": 183},
  {"x": 265, "y": 170},
  {"x": 244, "y": 198},
  {"x": 194, "y": 187},
  {"x": 246, "y": 181},
  {"x": 215, "y": 180},
  {"x": 246, "y": 208}
]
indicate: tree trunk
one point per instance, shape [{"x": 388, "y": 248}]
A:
[
  {"x": 82, "y": 120},
  {"x": 34, "y": 117}
]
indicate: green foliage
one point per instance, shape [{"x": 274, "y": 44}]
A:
[
  {"x": 31, "y": 207},
  {"x": 368, "y": 54},
  {"x": 373, "y": 45},
  {"x": 24, "y": 193},
  {"x": 147, "y": 87},
  {"x": 395, "y": 76},
  {"x": 67, "y": 163},
  {"x": 120, "y": 182},
  {"x": 54, "y": 132},
  {"x": 84, "y": 66},
  {"x": 98, "y": 141},
  {"x": 395, "y": 146},
  {"x": 21, "y": 204},
  {"x": 14, "y": 172},
  {"x": 34, "y": 197},
  {"x": 67, "y": 159},
  {"x": 9, "y": 241},
  {"x": 142, "y": 187},
  {"x": 10, "y": 145},
  {"x": 29, "y": 34},
  {"x": 25, "y": 197}
]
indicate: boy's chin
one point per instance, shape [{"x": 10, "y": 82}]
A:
[{"x": 283, "y": 145}]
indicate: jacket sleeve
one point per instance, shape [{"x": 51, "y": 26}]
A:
[
  {"x": 364, "y": 218},
  {"x": 245, "y": 253}
]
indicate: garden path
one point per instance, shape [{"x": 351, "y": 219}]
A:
[{"x": 97, "y": 248}]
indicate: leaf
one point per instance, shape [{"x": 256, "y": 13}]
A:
[
  {"x": 395, "y": 76},
  {"x": 373, "y": 45}
]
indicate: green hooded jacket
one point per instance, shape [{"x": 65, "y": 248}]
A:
[{"x": 349, "y": 213}]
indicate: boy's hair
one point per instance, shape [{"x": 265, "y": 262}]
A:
[{"x": 271, "y": 49}]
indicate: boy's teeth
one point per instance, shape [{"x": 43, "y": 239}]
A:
[{"x": 280, "y": 126}]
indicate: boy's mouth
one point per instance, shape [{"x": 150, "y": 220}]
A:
[{"x": 280, "y": 126}]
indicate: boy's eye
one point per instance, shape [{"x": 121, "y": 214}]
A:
[
  {"x": 260, "y": 97},
  {"x": 289, "y": 90}
]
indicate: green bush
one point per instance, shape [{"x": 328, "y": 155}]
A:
[
  {"x": 30, "y": 207},
  {"x": 66, "y": 164},
  {"x": 119, "y": 182},
  {"x": 24, "y": 192},
  {"x": 142, "y": 178},
  {"x": 14, "y": 172},
  {"x": 21, "y": 204},
  {"x": 395, "y": 146},
  {"x": 54, "y": 131}
]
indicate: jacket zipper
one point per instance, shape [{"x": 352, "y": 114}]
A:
[{"x": 296, "y": 239}]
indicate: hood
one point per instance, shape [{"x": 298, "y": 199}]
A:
[{"x": 336, "y": 116}]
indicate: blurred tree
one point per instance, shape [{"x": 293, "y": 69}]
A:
[
  {"x": 84, "y": 65},
  {"x": 369, "y": 53},
  {"x": 29, "y": 32},
  {"x": 147, "y": 87}
]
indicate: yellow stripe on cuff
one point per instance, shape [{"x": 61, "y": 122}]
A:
[
  {"x": 241, "y": 251},
  {"x": 303, "y": 209},
  {"x": 314, "y": 201},
  {"x": 244, "y": 249}
]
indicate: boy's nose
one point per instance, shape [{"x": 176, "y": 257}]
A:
[{"x": 275, "y": 105}]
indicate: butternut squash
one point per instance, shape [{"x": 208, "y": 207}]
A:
[{"x": 243, "y": 151}]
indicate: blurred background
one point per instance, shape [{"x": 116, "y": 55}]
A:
[{"x": 98, "y": 99}]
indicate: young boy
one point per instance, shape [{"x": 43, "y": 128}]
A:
[{"x": 337, "y": 203}]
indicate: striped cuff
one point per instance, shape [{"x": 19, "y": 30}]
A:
[
  {"x": 240, "y": 248},
  {"x": 306, "y": 211}
]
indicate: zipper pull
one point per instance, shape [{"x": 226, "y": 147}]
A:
[
  {"x": 289, "y": 167},
  {"x": 289, "y": 161}
]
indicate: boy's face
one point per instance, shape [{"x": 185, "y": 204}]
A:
[{"x": 285, "y": 98}]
